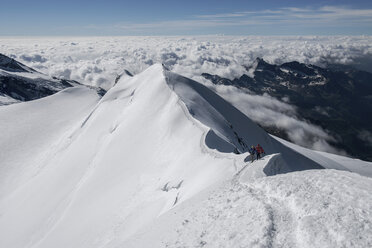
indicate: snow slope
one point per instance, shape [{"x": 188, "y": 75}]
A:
[
  {"x": 314, "y": 208},
  {"x": 332, "y": 161},
  {"x": 31, "y": 131},
  {"x": 134, "y": 156},
  {"x": 230, "y": 127},
  {"x": 155, "y": 143}
]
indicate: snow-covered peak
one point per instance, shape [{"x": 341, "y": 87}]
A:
[
  {"x": 227, "y": 129},
  {"x": 155, "y": 141}
]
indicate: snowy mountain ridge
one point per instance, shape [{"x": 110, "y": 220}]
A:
[
  {"x": 162, "y": 153},
  {"x": 9, "y": 64},
  {"x": 19, "y": 82}
]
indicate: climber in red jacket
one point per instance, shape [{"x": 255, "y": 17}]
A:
[{"x": 259, "y": 151}]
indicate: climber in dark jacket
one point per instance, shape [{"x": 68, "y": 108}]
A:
[{"x": 252, "y": 151}]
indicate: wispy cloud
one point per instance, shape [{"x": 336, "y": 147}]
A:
[
  {"x": 184, "y": 24},
  {"x": 326, "y": 15}
]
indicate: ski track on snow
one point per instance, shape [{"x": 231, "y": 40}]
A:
[
  {"x": 276, "y": 222},
  {"x": 255, "y": 213},
  {"x": 282, "y": 224},
  {"x": 226, "y": 205}
]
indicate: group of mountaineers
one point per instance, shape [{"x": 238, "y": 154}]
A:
[{"x": 258, "y": 151}]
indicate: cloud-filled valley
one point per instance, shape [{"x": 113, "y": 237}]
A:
[{"x": 270, "y": 112}]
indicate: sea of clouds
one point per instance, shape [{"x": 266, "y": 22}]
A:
[{"x": 98, "y": 60}]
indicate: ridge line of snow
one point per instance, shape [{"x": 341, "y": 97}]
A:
[{"x": 205, "y": 129}]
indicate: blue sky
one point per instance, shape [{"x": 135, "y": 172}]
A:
[{"x": 172, "y": 17}]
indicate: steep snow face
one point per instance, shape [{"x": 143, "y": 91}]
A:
[
  {"x": 332, "y": 161},
  {"x": 230, "y": 129}
]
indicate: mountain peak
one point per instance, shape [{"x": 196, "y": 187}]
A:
[
  {"x": 9, "y": 64},
  {"x": 21, "y": 83},
  {"x": 300, "y": 67},
  {"x": 263, "y": 65}
]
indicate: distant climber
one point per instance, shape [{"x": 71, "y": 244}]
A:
[
  {"x": 259, "y": 151},
  {"x": 252, "y": 151}
]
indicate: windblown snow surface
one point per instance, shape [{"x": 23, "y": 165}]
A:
[{"x": 152, "y": 164}]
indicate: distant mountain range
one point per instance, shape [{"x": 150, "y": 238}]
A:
[
  {"x": 337, "y": 99},
  {"x": 19, "y": 82}
]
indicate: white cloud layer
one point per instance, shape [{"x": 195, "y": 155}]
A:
[{"x": 98, "y": 60}]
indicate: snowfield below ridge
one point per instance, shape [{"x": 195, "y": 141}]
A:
[
  {"x": 316, "y": 208},
  {"x": 151, "y": 165},
  {"x": 30, "y": 131}
]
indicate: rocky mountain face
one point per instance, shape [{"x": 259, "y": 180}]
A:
[
  {"x": 19, "y": 82},
  {"x": 337, "y": 99}
]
